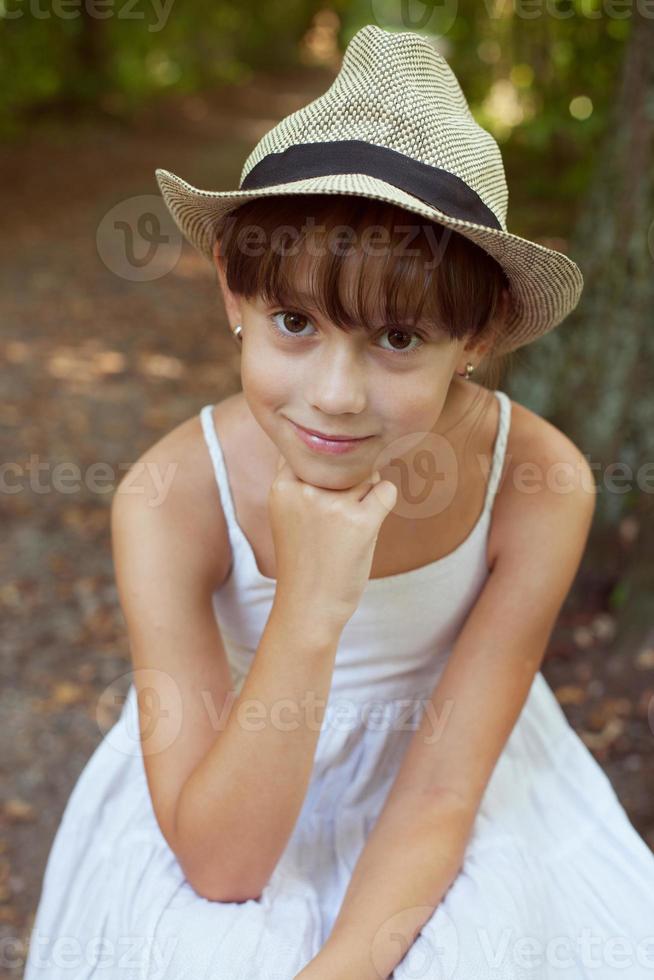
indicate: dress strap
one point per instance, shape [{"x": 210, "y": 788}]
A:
[
  {"x": 219, "y": 468},
  {"x": 222, "y": 480},
  {"x": 499, "y": 449}
]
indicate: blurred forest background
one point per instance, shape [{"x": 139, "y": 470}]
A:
[{"x": 102, "y": 353}]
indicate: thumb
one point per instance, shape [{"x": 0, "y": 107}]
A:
[{"x": 382, "y": 494}]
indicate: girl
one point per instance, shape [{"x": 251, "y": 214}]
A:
[{"x": 338, "y": 757}]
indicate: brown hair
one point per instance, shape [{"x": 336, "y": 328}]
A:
[{"x": 457, "y": 291}]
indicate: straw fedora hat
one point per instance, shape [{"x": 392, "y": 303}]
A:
[{"x": 394, "y": 125}]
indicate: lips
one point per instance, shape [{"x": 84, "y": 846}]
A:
[{"x": 331, "y": 438}]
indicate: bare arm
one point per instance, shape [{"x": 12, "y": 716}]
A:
[
  {"x": 418, "y": 844},
  {"x": 238, "y": 809},
  {"x": 227, "y": 776}
]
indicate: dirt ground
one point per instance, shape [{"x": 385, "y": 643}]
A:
[{"x": 97, "y": 366}]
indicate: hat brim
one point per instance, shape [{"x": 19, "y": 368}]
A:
[{"x": 545, "y": 285}]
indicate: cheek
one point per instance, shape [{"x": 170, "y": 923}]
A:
[
  {"x": 264, "y": 377},
  {"x": 412, "y": 404}
]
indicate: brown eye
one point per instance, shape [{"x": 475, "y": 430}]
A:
[
  {"x": 288, "y": 324},
  {"x": 401, "y": 334},
  {"x": 401, "y": 341},
  {"x": 290, "y": 321}
]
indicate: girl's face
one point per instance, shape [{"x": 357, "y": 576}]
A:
[{"x": 385, "y": 385}]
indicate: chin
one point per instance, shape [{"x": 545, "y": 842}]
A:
[{"x": 326, "y": 475}]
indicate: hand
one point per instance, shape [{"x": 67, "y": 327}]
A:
[{"x": 325, "y": 539}]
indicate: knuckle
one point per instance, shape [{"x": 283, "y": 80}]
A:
[
  {"x": 358, "y": 520},
  {"x": 335, "y": 506},
  {"x": 308, "y": 491}
]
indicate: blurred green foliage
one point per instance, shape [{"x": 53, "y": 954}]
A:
[
  {"x": 541, "y": 76},
  {"x": 112, "y": 55}
]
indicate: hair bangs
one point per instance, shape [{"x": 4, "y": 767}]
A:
[{"x": 361, "y": 263}]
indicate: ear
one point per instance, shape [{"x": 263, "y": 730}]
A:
[{"x": 232, "y": 302}]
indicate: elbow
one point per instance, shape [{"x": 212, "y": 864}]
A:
[
  {"x": 437, "y": 800},
  {"x": 439, "y": 809},
  {"x": 219, "y": 879},
  {"x": 445, "y": 798},
  {"x": 218, "y": 888},
  {"x": 458, "y": 807},
  {"x": 228, "y": 896},
  {"x": 216, "y": 874}
]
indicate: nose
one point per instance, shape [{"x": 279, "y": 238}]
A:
[{"x": 336, "y": 382}]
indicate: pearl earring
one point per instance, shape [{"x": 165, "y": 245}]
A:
[
  {"x": 468, "y": 371},
  {"x": 237, "y": 332}
]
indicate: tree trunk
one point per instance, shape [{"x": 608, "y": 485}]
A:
[{"x": 592, "y": 376}]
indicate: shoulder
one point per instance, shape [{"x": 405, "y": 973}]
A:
[
  {"x": 546, "y": 490},
  {"x": 536, "y": 446},
  {"x": 171, "y": 490}
]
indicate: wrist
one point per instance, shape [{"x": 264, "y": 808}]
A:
[{"x": 308, "y": 619}]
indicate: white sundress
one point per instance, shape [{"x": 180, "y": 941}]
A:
[{"x": 556, "y": 883}]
